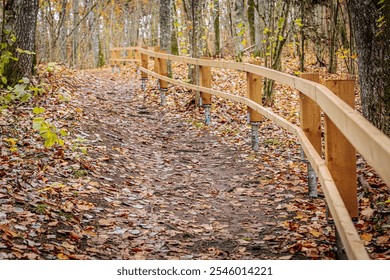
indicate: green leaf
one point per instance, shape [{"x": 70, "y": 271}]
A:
[
  {"x": 63, "y": 132},
  {"x": 4, "y": 80},
  {"x": 280, "y": 22},
  {"x": 380, "y": 19},
  {"x": 38, "y": 110},
  {"x": 37, "y": 123},
  {"x": 24, "y": 80},
  {"x": 19, "y": 50},
  {"x": 266, "y": 30},
  {"x": 50, "y": 140},
  {"x": 25, "y": 97},
  {"x": 298, "y": 22}
]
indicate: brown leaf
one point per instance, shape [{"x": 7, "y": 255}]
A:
[
  {"x": 68, "y": 246},
  {"x": 53, "y": 223},
  {"x": 105, "y": 222},
  {"x": 85, "y": 207},
  {"x": 74, "y": 235},
  {"x": 383, "y": 239},
  {"x": 269, "y": 237},
  {"x": 31, "y": 256}
]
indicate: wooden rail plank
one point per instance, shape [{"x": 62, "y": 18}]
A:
[
  {"x": 124, "y": 60},
  {"x": 370, "y": 142}
]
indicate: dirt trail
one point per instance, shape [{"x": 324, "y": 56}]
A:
[{"x": 170, "y": 190}]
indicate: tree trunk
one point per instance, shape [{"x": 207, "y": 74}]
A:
[
  {"x": 333, "y": 40},
  {"x": 239, "y": 27},
  {"x": 165, "y": 25},
  {"x": 371, "y": 25},
  {"x": 251, "y": 21},
  {"x": 21, "y": 19},
  {"x": 75, "y": 43},
  {"x": 217, "y": 42}
]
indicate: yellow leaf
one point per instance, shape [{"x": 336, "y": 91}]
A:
[
  {"x": 62, "y": 256},
  {"x": 366, "y": 236},
  {"x": 315, "y": 233}
]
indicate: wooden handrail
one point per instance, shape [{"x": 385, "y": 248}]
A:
[{"x": 367, "y": 139}]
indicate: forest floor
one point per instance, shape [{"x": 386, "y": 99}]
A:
[{"x": 136, "y": 180}]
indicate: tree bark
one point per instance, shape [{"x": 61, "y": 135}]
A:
[
  {"x": 251, "y": 21},
  {"x": 371, "y": 25},
  {"x": 21, "y": 19},
  {"x": 333, "y": 37},
  {"x": 165, "y": 25},
  {"x": 217, "y": 42},
  {"x": 75, "y": 42}
]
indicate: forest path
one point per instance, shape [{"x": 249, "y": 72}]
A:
[
  {"x": 135, "y": 180},
  {"x": 170, "y": 190},
  {"x": 174, "y": 191}
]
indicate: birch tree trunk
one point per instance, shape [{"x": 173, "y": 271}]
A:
[{"x": 165, "y": 25}]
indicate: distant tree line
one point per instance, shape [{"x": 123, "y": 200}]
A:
[{"x": 352, "y": 35}]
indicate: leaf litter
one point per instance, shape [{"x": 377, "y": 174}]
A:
[{"x": 138, "y": 181}]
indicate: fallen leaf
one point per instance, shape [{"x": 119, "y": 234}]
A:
[
  {"x": 315, "y": 233},
  {"x": 62, "y": 256},
  {"x": 105, "y": 222},
  {"x": 366, "y": 236},
  {"x": 85, "y": 207},
  {"x": 367, "y": 213}
]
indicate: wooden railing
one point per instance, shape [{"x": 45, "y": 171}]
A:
[{"x": 345, "y": 130}]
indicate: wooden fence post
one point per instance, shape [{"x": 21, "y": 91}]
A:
[
  {"x": 340, "y": 155},
  {"x": 130, "y": 54},
  {"x": 205, "y": 79},
  {"x": 254, "y": 93},
  {"x": 156, "y": 63},
  {"x": 144, "y": 64},
  {"x": 163, "y": 68},
  {"x": 144, "y": 76},
  {"x": 310, "y": 120},
  {"x": 114, "y": 62},
  {"x": 137, "y": 56}
]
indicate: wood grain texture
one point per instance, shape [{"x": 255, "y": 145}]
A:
[
  {"x": 310, "y": 115},
  {"x": 205, "y": 81},
  {"x": 340, "y": 155},
  {"x": 255, "y": 93}
]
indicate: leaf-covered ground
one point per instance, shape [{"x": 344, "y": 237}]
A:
[{"x": 139, "y": 181}]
